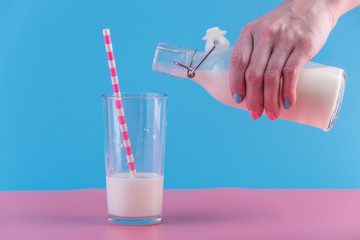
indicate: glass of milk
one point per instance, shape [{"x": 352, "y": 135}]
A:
[{"x": 135, "y": 200}]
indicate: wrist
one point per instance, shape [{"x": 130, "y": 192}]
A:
[
  {"x": 330, "y": 10},
  {"x": 340, "y": 7}
]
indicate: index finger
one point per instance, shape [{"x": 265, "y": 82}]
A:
[{"x": 238, "y": 64}]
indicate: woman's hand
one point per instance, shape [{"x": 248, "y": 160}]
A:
[{"x": 276, "y": 46}]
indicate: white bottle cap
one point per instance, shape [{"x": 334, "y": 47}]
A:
[{"x": 215, "y": 34}]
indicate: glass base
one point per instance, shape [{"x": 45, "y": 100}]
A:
[{"x": 135, "y": 221}]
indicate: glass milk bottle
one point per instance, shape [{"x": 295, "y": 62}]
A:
[{"x": 320, "y": 88}]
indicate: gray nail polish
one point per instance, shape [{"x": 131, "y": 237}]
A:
[
  {"x": 286, "y": 104},
  {"x": 238, "y": 97}
]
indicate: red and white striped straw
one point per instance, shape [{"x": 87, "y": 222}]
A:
[{"x": 118, "y": 102}]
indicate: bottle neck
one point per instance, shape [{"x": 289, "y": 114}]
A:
[{"x": 166, "y": 57}]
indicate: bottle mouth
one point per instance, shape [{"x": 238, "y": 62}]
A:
[
  {"x": 337, "y": 106},
  {"x": 166, "y": 55}
]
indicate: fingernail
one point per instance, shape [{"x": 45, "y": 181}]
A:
[
  {"x": 238, "y": 98},
  {"x": 254, "y": 115},
  {"x": 286, "y": 104},
  {"x": 271, "y": 116}
]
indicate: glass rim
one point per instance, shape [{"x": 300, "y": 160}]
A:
[{"x": 136, "y": 95}]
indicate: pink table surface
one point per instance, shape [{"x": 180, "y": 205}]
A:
[{"x": 188, "y": 214}]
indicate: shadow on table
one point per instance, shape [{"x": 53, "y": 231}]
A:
[
  {"x": 153, "y": 232},
  {"x": 216, "y": 217}
]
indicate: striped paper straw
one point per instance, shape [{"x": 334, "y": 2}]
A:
[{"x": 118, "y": 103}]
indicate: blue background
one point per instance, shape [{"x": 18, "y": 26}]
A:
[{"x": 53, "y": 70}]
